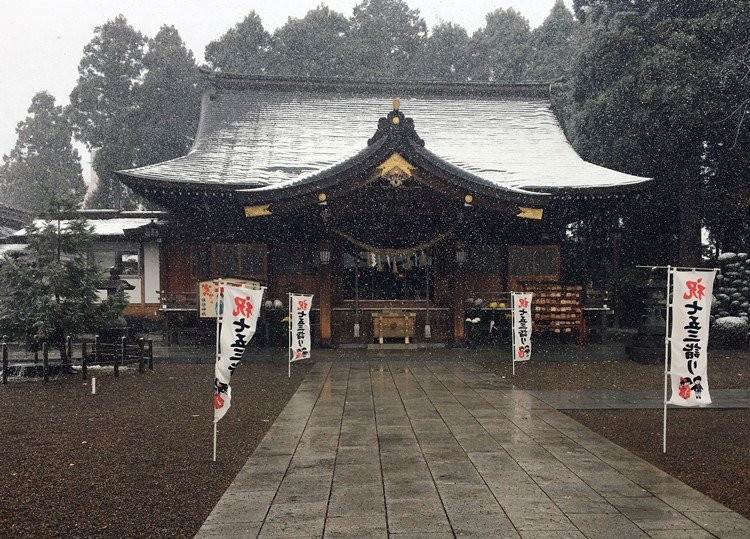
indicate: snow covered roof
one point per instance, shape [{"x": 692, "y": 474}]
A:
[
  {"x": 11, "y": 219},
  {"x": 102, "y": 227},
  {"x": 265, "y": 134},
  {"x": 6, "y": 248}
]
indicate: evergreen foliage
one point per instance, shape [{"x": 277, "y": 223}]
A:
[
  {"x": 49, "y": 290},
  {"x": 445, "y": 54},
  {"x": 43, "y": 162},
  {"x": 387, "y": 39},
  {"x": 651, "y": 92},
  {"x": 656, "y": 88},
  {"x": 245, "y": 48},
  {"x": 501, "y": 50},
  {"x": 313, "y": 46},
  {"x": 168, "y": 99},
  {"x": 103, "y": 106},
  {"x": 136, "y": 102}
]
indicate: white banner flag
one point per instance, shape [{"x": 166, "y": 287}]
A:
[
  {"x": 238, "y": 312},
  {"x": 299, "y": 327},
  {"x": 521, "y": 326},
  {"x": 691, "y": 307}
]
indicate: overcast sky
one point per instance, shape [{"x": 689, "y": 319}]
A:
[{"x": 41, "y": 41}]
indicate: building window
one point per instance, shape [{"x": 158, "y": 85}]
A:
[
  {"x": 128, "y": 261},
  {"x": 378, "y": 281}
]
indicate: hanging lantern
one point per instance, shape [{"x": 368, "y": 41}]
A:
[
  {"x": 423, "y": 259},
  {"x": 372, "y": 260},
  {"x": 407, "y": 262}
]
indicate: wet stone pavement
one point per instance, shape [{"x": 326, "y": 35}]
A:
[{"x": 441, "y": 449}]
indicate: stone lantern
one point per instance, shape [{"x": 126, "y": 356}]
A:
[{"x": 648, "y": 344}]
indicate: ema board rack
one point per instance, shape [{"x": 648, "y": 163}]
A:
[{"x": 556, "y": 307}]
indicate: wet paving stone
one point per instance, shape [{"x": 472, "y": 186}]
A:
[{"x": 433, "y": 449}]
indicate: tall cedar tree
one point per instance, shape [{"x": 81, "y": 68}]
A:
[
  {"x": 387, "y": 39},
  {"x": 726, "y": 29},
  {"x": 243, "y": 49},
  {"x": 552, "y": 45},
  {"x": 501, "y": 50},
  {"x": 49, "y": 290},
  {"x": 104, "y": 109},
  {"x": 313, "y": 46},
  {"x": 43, "y": 162},
  {"x": 168, "y": 99},
  {"x": 445, "y": 55},
  {"x": 650, "y": 91}
]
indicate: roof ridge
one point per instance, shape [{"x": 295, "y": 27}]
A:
[{"x": 428, "y": 87}]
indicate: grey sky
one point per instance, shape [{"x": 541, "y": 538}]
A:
[{"x": 41, "y": 41}]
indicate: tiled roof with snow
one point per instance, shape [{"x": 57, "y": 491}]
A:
[
  {"x": 102, "y": 227},
  {"x": 260, "y": 133}
]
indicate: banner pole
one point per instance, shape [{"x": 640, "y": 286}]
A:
[
  {"x": 216, "y": 355},
  {"x": 289, "y": 334},
  {"x": 667, "y": 341},
  {"x": 214, "y": 441},
  {"x": 513, "y": 331}
]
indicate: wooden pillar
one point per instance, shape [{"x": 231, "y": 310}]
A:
[
  {"x": 459, "y": 302},
  {"x": 324, "y": 296}
]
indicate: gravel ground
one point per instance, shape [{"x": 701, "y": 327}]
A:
[
  {"x": 134, "y": 459},
  {"x": 707, "y": 449},
  {"x": 725, "y": 371}
]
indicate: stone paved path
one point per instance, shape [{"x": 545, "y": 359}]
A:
[
  {"x": 447, "y": 449},
  {"x": 595, "y": 399}
]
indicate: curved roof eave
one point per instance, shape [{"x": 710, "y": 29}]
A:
[{"x": 410, "y": 148}]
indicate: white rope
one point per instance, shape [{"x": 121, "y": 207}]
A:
[{"x": 394, "y": 251}]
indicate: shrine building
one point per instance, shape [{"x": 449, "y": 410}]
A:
[{"x": 399, "y": 205}]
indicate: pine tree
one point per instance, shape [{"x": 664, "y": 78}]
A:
[
  {"x": 43, "y": 162},
  {"x": 50, "y": 290}
]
